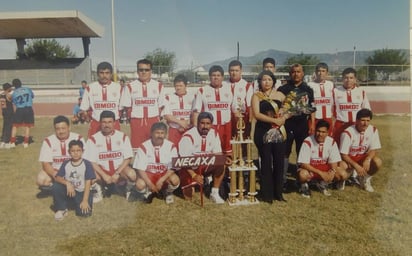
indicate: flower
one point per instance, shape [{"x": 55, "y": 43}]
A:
[
  {"x": 274, "y": 135},
  {"x": 296, "y": 104}
]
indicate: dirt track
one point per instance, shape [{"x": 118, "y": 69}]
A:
[{"x": 378, "y": 107}]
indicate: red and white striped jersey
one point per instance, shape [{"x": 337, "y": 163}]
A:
[
  {"x": 178, "y": 106},
  {"x": 217, "y": 101},
  {"x": 348, "y": 102},
  {"x": 56, "y": 151},
  {"x": 146, "y": 99},
  {"x": 323, "y": 95},
  {"x": 100, "y": 97},
  {"x": 242, "y": 93},
  {"x": 317, "y": 154},
  {"x": 108, "y": 151},
  {"x": 357, "y": 144},
  {"x": 155, "y": 159},
  {"x": 192, "y": 143}
]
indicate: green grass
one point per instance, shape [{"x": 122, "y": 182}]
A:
[{"x": 350, "y": 222}]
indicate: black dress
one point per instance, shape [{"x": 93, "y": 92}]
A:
[{"x": 271, "y": 157}]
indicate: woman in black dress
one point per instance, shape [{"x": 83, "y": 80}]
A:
[{"x": 265, "y": 108}]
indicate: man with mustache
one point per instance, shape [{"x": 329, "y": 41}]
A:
[
  {"x": 358, "y": 148},
  {"x": 153, "y": 163},
  {"x": 201, "y": 140}
]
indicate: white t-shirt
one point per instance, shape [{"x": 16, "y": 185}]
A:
[
  {"x": 349, "y": 102},
  {"x": 356, "y": 144},
  {"x": 315, "y": 153},
  {"x": 323, "y": 99},
  {"x": 192, "y": 143}
]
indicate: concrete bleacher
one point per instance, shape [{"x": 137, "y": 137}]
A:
[{"x": 62, "y": 73}]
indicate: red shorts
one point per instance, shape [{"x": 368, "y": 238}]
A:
[
  {"x": 140, "y": 130},
  {"x": 186, "y": 178},
  {"x": 339, "y": 128},
  {"x": 154, "y": 177},
  {"x": 225, "y": 135},
  {"x": 174, "y": 135},
  {"x": 95, "y": 127},
  {"x": 323, "y": 168}
]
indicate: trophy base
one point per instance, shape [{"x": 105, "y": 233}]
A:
[{"x": 245, "y": 201}]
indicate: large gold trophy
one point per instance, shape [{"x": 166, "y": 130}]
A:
[{"x": 240, "y": 165}]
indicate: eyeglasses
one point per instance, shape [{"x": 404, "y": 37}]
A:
[{"x": 143, "y": 69}]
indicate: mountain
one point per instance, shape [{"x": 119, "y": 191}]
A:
[{"x": 332, "y": 59}]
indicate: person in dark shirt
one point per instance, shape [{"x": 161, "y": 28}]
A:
[{"x": 297, "y": 127}]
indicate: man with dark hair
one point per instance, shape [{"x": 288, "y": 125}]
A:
[
  {"x": 297, "y": 126},
  {"x": 216, "y": 98},
  {"x": 200, "y": 140},
  {"x": 82, "y": 88},
  {"x": 242, "y": 96},
  {"x": 319, "y": 160},
  {"x": 153, "y": 162},
  {"x": 348, "y": 100},
  {"x": 145, "y": 103},
  {"x": 103, "y": 95},
  {"x": 178, "y": 109},
  {"x": 7, "y": 111},
  {"x": 54, "y": 151},
  {"x": 358, "y": 148},
  {"x": 110, "y": 152},
  {"x": 22, "y": 98},
  {"x": 323, "y": 95}
]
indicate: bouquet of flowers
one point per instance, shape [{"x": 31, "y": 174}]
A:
[{"x": 294, "y": 105}]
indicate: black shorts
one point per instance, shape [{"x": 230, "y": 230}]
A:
[{"x": 24, "y": 116}]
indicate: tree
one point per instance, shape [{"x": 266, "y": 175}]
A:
[
  {"x": 385, "y": 62},
  {"x": 163, "y": 61},
  {"x": 47, "y": 49},
  {"x": 307, "y": 61}
]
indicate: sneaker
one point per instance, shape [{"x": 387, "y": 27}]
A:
[
  {"x": 10, "y": 145},
  {"x": 25, "y": 145},
  {"x": 304, "y": 190},
  {"x": 340, "y": 185},
  {"x": 97, "y": 193},
  {"x": 97, "y": 197},
  {"x": 323, "y": 188},
  {"x": 59, "y": 215},
  {"x": 215, "y": 197},
  {"x": 169, "y": 198},
  {"x": 148, "y": 197},
  {"x": 2, "y": 145},
  {"x": 366, "y": 184}
]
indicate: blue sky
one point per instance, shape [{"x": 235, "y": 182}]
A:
[{"x": 203, "y": 31}]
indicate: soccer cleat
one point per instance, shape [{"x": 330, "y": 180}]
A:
[
  {"x": 10, "y": 145},
  {"x": 169, "y": 199},
  {"x": 148, "y": 197},
  {"x": 2, "y": 145},
  {"x": 340, "y": 185},
  {"x": 215, "y": 197},
  {"x": 323, "y": 188},
  {"x": 59, "y": 215},
  {"x": 304, "y": 190},
  {"x": 366, "y": 184},
  {"x": 25, "y": 145}
]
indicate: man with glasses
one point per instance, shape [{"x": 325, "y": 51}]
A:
[{"x": 146, "y": 102}]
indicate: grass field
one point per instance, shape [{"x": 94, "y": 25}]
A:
[{"x": 350, "y": 222}]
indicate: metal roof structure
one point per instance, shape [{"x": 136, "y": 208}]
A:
[{"x": 47, "y": 24}]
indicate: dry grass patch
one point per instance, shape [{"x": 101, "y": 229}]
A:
[{"x": 350, "y": 222}]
